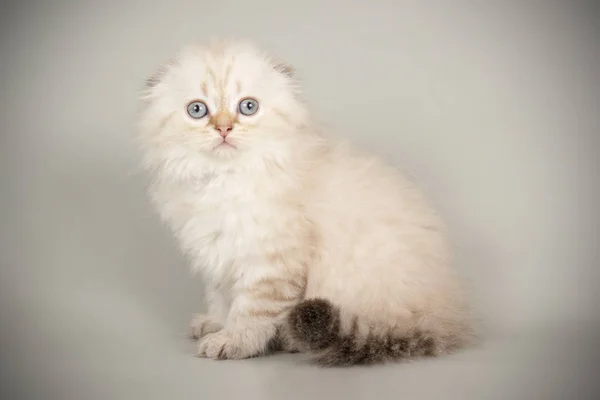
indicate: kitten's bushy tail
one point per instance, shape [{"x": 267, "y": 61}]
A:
[{"x": 315, "y": 324}]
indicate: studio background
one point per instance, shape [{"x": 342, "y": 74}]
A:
[{"x": 493, "y": 107}]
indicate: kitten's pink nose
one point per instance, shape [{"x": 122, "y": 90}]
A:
[
  {"x": 223, "y": 123},
  {"x": 224, "y": 130}
]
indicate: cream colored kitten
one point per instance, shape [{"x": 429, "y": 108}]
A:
[{"x": 305, "y": 244}]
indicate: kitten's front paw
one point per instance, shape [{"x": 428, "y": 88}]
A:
[
  {"x": 202, "y": 325},
  {"x": 223, "y": 345}
]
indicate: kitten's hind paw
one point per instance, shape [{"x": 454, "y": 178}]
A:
[{"x": 202, "y": 325}]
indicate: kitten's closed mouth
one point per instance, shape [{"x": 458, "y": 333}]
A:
[{"x": 224, "y": 144}]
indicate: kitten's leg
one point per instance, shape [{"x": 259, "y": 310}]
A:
[
  {"x": 257, "y": 311},
  {"x": 203, "y": 324}
]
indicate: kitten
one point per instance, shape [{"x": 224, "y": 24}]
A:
[{"x": 304, "y": 242}]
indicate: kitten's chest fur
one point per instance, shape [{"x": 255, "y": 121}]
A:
[{"x": 219, "y": 220}]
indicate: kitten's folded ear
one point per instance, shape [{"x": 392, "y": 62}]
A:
[
  {"x": 154, "y": 79},
  {"x": 284, "y": 68},
  {"x": 159, "y": 74},
  {"x": 147, "y": 90}
]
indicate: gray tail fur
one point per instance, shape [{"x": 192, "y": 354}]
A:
[{"x": 315, "y": 324}]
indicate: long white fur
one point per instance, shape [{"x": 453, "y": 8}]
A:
[{"x": 301, "y": 214}]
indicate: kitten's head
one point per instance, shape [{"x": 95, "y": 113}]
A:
[{"x": 221, "y": 103}]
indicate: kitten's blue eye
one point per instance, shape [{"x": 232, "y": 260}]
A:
[
  {"x": 248, "y": 106},
  {"x": 197, "y": 109}
]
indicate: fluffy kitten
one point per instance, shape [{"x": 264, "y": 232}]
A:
[{"x": 305, "y": 243}]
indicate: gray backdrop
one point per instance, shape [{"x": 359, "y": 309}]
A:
[{"x": 492, "y": 106}]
